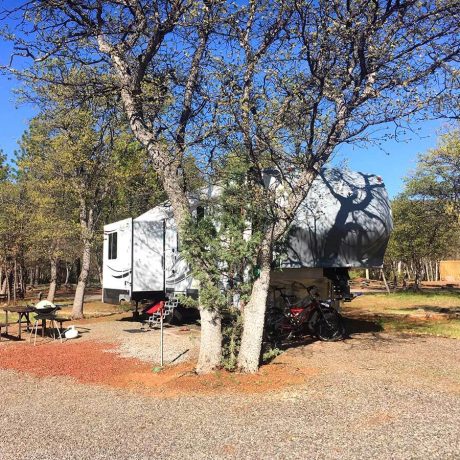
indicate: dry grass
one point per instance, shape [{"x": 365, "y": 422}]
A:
[
  {"x": 92, "y": 309},
  {"x": 437, "y": 328},
  {"x": 408, "y": 300},
  {"x": 434, "y": 313}
]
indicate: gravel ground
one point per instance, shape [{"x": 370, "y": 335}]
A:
[
  {"x": 137, "y": 341},
  {"x": 374, "y": 396},
  {"x": 144, "y": 343}
]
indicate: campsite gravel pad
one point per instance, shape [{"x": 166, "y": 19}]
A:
[
  {"x": 374, "y": 396},
  {"x": 134, "y": 341}
]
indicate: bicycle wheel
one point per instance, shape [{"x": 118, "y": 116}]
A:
[
  {"x": 328, "y": 326},
  {"x": 274, "y": 322}
]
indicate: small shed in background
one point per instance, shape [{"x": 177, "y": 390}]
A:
[{"x": 449, "y": 270}]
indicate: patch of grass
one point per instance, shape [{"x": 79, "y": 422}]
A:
[
  {"x": 427, "y": 294},
  {"x": 12, "y": 317},
  {"x": 418, "y": 313},
  {"x": 399, "y": 300},
  {"x": 448, "y": 328},
  {"x": 92, "y": 309},
  {"x": 270, "y": 354}
]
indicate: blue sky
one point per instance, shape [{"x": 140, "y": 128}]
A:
[
  {"x": 393, "y": 160},
  {"x": 13, "y": 118}
]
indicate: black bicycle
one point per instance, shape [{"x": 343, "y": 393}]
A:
[{"x": 306, "y": 316}]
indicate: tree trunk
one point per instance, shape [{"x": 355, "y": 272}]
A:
[
  {"x": 77, "y": 309},
  {"x": 87, "y": 236},
  {"x": 15, "y": 281},
  {"x": 99, "y": 269},
  {"x": 67, "y": 273},
  {"x": 384, "y": 278},
  {"x": 211, "y": 341},
  {"x": 8, "y": 285},
  {"x": 168, "y": 167},
  {"x": 53, "y": 280},
  {"x": 22, "y": 279},
  {"x": 417, "y": 278},
  {"x": 254, "y": 313},
  {"x": 2, "y": 282}
]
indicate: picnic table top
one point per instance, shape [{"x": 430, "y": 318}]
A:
[
  {"x": 25, "y": 308},
  {"x": 19, "y": 309}
]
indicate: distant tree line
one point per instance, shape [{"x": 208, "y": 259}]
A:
[
  {"x": 77, "y": 168},
  {"x": 427, "y": 215}
]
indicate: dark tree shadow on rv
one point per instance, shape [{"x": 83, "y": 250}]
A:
[
  {"x": 354, "y": 233},
  {"x": 343, "y": 223}
]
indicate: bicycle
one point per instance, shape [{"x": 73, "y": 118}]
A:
[{"x": 306, "y": 316}]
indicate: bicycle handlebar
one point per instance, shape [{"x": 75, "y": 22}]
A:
[
  {"x": 307, "y": 288},
  {"x": 291, "y": 300}
]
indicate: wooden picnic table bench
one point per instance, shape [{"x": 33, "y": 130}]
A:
[
  {"x": 3, "y": 326},
  {"x": 22, "y": 312}
]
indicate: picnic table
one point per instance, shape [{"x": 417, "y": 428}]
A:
[
  {"x": 23, "y": 312},
  {"x": 42, "y": 314}
]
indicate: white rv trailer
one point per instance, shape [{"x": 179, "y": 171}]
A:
[
  {"x": 345, "y": 222},
  {"x": 141, "y": 258}
]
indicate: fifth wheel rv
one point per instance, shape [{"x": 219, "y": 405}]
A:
[{"x": 344, "y": 222}]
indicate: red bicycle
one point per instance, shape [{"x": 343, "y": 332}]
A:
[{"x": 306, "y": 316}]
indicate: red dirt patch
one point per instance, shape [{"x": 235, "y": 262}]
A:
[
  {"x": 98, "y": 363},
  {"x": 87, "y": 362}
]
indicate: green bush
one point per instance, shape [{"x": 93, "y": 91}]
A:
[{"x": 232, "y": 329}]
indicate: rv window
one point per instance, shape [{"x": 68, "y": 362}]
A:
[{"x": 112, "y": 245}]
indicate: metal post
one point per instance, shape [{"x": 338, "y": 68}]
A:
[{"x": 161, "y": 336}]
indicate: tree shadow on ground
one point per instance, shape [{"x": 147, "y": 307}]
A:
[
  {"x": 271, "y": 350},
  {"x": 182, "y": 316},
  {"x": 429, "y": 308},
  {"x": 353, "y": 327}
]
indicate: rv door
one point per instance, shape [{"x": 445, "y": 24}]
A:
[
  {"x": 148, "y": 259},
  {"x": 178, "y": 277}
]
